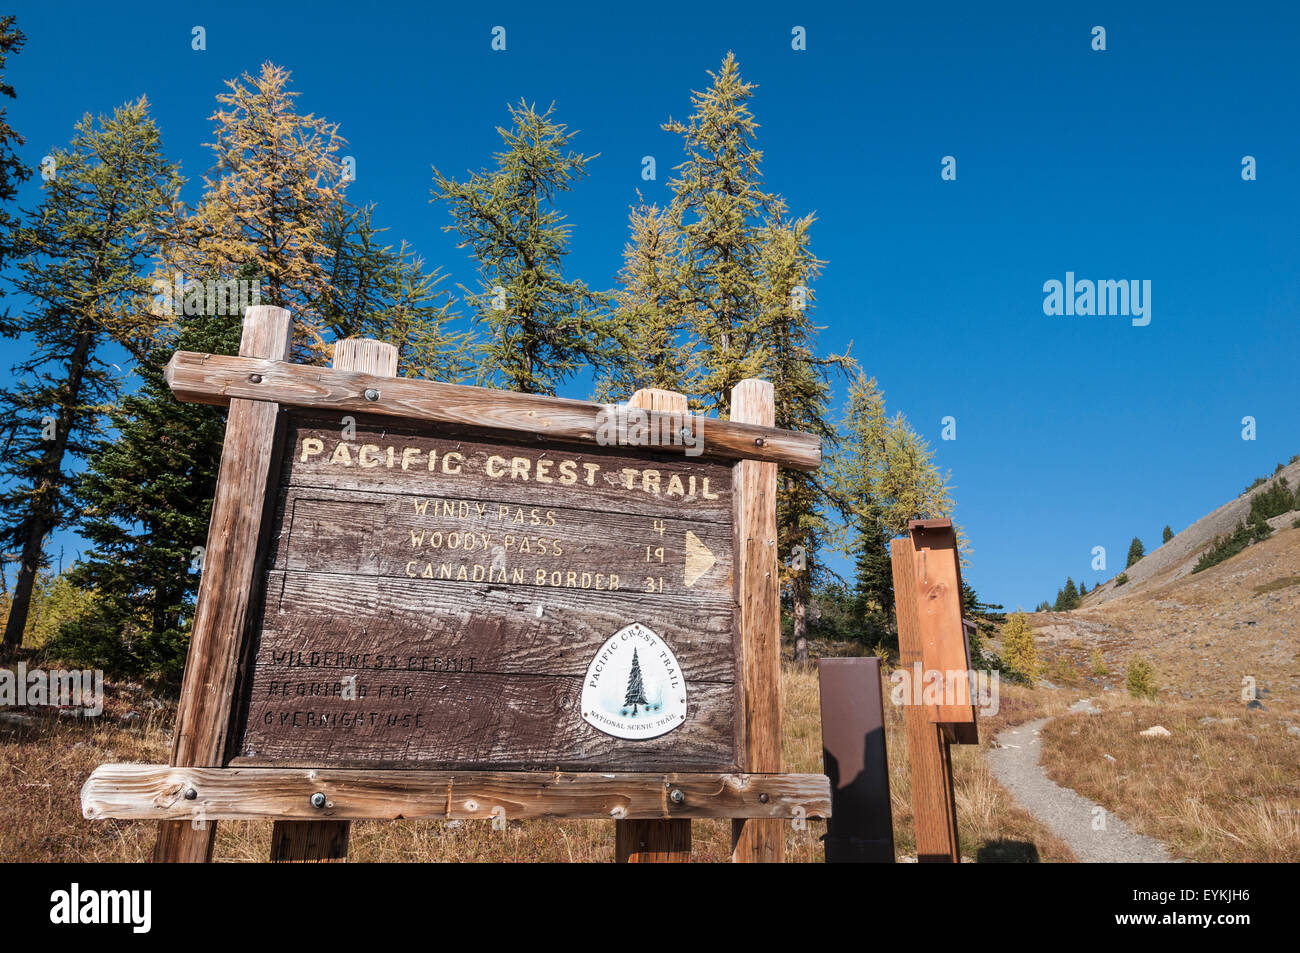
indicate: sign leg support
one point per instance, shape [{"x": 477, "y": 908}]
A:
[
  {"x": 327, "y": 841},
  {"x": 230, "y": 568},
  {"x": 758, "y": 597}
]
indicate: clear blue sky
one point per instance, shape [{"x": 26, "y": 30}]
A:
[{"x": 1072, "y": 432}]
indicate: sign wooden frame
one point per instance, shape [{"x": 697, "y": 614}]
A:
[{"x": 211, "y": 778}]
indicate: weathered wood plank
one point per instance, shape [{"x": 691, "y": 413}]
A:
[
  {"x": 469, "y": 720},
  {"x": 314, "y": 842},
  {"x": 556, "y": 630},
  {"x": 934, "y": 804},
  {"x": 215, "y": 379},
  {"x": 327, "y": 841},
  {"x": 943, "y": 637},
  {"x": 759, "y": 616},
  {"x": 143, "y": 792},
  {"x": 482, "y": 467},
  {"x": 413, "y": 537},
  {"x": 650, "y": 842},
  {"x": 391, "y": 571},
  {"x": 653, "y": 842},
  {"x": 229, "y": 581}
]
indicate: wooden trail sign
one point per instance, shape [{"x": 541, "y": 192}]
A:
[
  {"x": 933, "y": 650},
  {"x": 417, "y": 591}
]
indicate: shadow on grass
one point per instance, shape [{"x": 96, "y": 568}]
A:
[{"x": 1007, "y": 852}]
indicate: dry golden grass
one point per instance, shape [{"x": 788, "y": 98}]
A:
[
  {"x": 1204, "y": 632},
  {"x": 1223, "y": 791},
  {"x": 42, "y": 768},
  {"x": 1216, "y": 791}
]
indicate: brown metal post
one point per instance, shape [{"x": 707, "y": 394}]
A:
[{"x": 861, "y": 828}]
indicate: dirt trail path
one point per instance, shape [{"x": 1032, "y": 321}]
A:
[{"x": 1017, "y": 768}]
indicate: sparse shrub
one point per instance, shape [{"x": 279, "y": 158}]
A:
[
  {"x": 1063, "y": 671},
  {"x": 1099, "y": 664},
  {"x": 1121, "y": 579},
  {"x": 1140, "y": 678},
  {"x": 1019, "y": 651},
  {"x": 1229, "y": 544},
  {"x": 1274, "y": 501}
]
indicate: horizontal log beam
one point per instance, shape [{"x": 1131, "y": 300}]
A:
[
  {"x": 216, "y": 379},
  {"x": 160, "y": 792}
]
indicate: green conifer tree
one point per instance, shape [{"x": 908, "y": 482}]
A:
[
  {"x": 720, "y": 210},
  {"x": 145, "y": 501},
  {"x": 873, "y": 579},
  {"x": 1135, "y": 552},
  {"x": 883, "y": 475},
  {"x": 85, "y": 249},
  {"x": 380, "y": 292},
  {"x": 801, "y": 379},
  {"x": 648, "y": 310},
  {"x": 540, "y": 325},
  {"x": 988, "y": 618},
  {"x": 13, "y": 172}
]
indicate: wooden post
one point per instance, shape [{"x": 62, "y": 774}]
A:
[
  {"x": 230, "y": 569},
  {"x": 944, "y": 646},
  {"x": 327, "y": 841},
  {"x": 640, "y": 841},
  {"x": 934, "y": 804},
  {"x": 310, "y": 841},
  {"x": 860, "y": 828},
  {"x": 758, "y": 598}
]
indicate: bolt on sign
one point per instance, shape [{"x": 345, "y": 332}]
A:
[{"x": 429, "y": 600}]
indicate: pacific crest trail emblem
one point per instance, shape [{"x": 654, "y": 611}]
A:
[{"x": 634, "y": 687}]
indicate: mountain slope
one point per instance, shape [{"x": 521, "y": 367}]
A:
[
  {"x": 1205, "y": 633},
  {"x": 1176, "y": 558}
]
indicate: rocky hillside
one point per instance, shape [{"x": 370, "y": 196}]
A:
[
  {"x": 1205, "y": 633},
  {"x": 1176, "y": 558}
]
